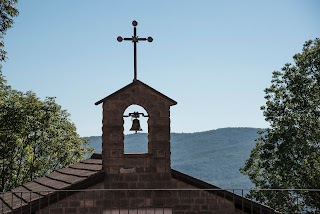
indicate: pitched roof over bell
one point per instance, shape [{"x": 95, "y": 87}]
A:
[{"x": 135, "y": 83}]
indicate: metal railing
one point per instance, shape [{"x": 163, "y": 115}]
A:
[{"x": 153, "y": 201}]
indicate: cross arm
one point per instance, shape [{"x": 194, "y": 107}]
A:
[{"x": 149, "y": 39}]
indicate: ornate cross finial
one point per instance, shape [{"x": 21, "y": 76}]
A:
[{"x": 135, "y": 39}]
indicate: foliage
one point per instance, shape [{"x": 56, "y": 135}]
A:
[
  {"x": 36, "y": 137},
  {"x": 7, "y": 12},
  {"x": 287, "y": 155}
]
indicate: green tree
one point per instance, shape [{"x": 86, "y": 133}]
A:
[
  {"x": 287, "y": 155},
  {"x": 7, "y": 12},
  {"x": 36, "y": 137}
]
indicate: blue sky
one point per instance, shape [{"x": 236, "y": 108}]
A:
[{"x": 214, "y": 58}]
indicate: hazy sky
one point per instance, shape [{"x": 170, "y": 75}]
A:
[{"x": 214, "y": 58}]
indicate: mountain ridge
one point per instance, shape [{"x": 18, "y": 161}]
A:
[{"x": 214, "y": 156}]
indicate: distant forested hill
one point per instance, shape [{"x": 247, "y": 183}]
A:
[{"x": 213, "y": 156}]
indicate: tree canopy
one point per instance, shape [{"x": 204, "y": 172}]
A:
[
  {"x": 7, "y": 12},
  {"x": 287, "y": 155},
  {"x": 36, "y": 137}
]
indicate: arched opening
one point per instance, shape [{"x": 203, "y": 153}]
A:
[{"x": 135, "y": 142}]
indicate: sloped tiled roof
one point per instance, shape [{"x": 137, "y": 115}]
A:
[
  {"x": 25, "y": 198},
  {"x": 77, "y": 176}
]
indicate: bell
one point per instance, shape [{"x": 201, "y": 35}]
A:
[{"x": 135, "y": 125}]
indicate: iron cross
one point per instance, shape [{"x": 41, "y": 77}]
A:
[{"x": 135, "y": 39}]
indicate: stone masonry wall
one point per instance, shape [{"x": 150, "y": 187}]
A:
[{"x": 180, "y": 200}]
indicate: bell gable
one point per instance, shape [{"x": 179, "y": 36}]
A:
[{"x": 117, "y": 165}]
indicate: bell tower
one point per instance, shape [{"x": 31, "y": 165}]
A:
[
  {"x": 149, "y": 170},
  {"x": 136, "y": 170}
]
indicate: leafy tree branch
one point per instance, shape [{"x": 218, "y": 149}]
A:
[{"x": 287, "y": 155}]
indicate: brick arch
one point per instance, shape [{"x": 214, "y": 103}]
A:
[
  {"x": 130, "y": 104},
  {"x": 143, "y": 100},
  {"x": 140, "y": 101}
]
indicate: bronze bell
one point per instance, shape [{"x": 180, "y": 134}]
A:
[{"x": 135, "y": 125}]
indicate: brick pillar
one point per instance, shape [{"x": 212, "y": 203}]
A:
[
  {"x": 159, "y": 140},
  {"x": 112, "y": 138}
]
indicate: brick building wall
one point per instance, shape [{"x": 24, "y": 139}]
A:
[{"x": 150, "y": 201}]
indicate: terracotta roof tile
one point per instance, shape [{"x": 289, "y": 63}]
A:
[
  {"x": 54, "y": 184},
  {"x": 12, "y": 201},
  {"x": 36, "y": 187},
  {"x": 71, "y": 179},
  {"x": 4, "y": 208},
  {"x": 26, "y": 194},
  {"x": 92, "y": 161},
  {"x": 83, "y": 166},
  {"x": 76, "y": 172}
]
